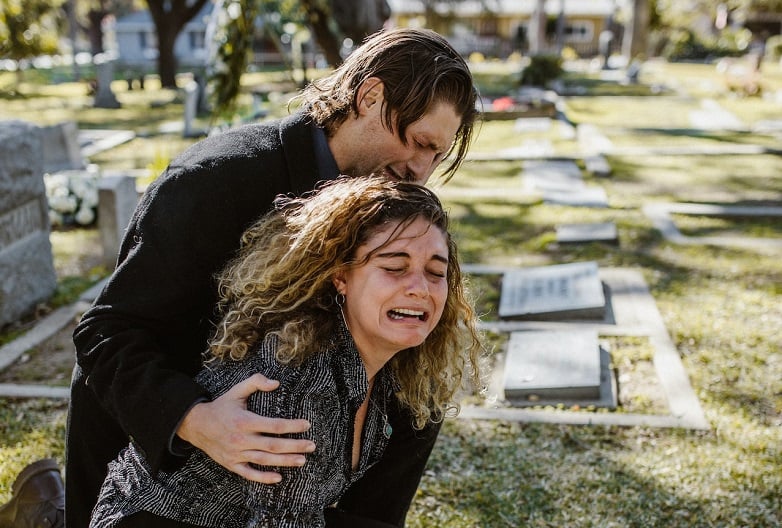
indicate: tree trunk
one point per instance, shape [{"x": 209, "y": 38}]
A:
[
  {"x": 166, "y": 60},
  {"x": 636, "y": 35},
  {"x": 95, "y": 30},
  {"x": 326, "y": 39},
  {"x": 359, "y": 19},
  {"x": 168, "y": 25},
  {"x": 537, "y": 28}
]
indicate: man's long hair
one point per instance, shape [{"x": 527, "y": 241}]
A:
[{"x": 419, "y": 69}]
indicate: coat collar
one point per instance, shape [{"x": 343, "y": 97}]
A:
[{"x": 298, "y": 145}]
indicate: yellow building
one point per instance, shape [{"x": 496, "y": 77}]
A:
[{"x": 500, "y": 27}]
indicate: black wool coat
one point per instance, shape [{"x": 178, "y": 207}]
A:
[{"x": 142, "y": 341}]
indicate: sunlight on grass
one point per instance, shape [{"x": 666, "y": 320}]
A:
[
  {"x": 721, "y": 307},
  {"x": 29, "y": 430}
]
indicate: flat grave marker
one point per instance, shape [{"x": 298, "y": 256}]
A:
[
  {"x": 591, "y": 232},
  {"x": 559, "y": 291},
  {"x": 544, "y": 176},
  {"x": 597, "y": 165},
  {"x": 546, "y": 367},
  {"x": 577, "y": 197}
]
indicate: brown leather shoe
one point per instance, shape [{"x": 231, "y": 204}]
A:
[{"x": 38, "y": 499}]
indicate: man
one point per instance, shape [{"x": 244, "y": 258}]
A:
[{"x": 397, "y": 107}]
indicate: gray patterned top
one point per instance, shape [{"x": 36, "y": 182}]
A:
[{"x": 327, "y": 390}]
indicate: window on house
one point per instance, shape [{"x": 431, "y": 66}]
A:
[
  {"x": 196, "y": 39},
  {"x": 579, "y": 31}
]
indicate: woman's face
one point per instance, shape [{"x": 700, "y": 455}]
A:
[{"x": 395, "y": 299}]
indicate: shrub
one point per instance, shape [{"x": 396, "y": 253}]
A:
[
  {"x": 541, "y": 70},
  {"x": 774, "y": 47}
]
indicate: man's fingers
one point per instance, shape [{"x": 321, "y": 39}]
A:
[
  {"x": 256, "y": 475},
  {"x": 278, "y": 426},
  {"x": 256, "y": 382},
  {"x": 282, "y": 446},
  {"x": 264, "y": 458}
]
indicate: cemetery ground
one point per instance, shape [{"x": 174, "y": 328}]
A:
[{"x": 721, "y": 304}]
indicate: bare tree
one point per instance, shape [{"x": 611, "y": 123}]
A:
[
  {"x": 170, "y": 16},
  {"x": 636, "y": 35}
]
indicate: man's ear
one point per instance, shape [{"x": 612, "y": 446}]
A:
[{"x": 370, "y": 93}]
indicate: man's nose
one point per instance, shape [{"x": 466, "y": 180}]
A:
[{"x": 421, "y": 166}]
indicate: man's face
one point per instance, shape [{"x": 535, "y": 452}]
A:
[{"x": 382, "y": 152}]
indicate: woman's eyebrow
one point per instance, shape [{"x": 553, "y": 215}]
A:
[{"x": 404, "y": 254}]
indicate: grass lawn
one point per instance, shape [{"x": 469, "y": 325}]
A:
[{"x": 722, "y": 308}]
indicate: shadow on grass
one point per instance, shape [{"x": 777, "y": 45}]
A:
[{"x": 500, "y": 474}]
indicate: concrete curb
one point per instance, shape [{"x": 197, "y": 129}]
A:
[{"x": 48, "y": 326}]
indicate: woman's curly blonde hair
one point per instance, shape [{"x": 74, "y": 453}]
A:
[{"x": 281, "y": 282}]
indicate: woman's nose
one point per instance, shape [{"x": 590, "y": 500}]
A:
[{"x": 417, "y": 285}]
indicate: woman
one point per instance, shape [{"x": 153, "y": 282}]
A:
[{"x": 350, "y": 297}]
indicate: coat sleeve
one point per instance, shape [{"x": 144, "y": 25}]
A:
[{"x": 142, "y": 341}]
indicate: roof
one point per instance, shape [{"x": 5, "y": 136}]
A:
[
  {"x": 142, "y": 19},
  {"x": 511, "y": 7}
]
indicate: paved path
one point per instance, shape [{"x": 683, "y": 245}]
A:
[{"x": 43, "y": 330}]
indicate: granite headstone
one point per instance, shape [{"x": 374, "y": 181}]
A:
[
  {"x": 545, "y": 365},
  {"x": 26, "y": 263},
  {"x": 561, "y": 291}
]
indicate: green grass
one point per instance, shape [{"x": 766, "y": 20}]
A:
[{"x": 722, "y": 308}]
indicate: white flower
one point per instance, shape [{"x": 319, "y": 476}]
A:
[
  {"x": 234, "y": 10},
  {"x": 90, "y": 198},
  {"x": 55, "y": 218},
  {"x": 73, "y": 195},
  {"x": 64, "y": 204},
  {"x": 85, "y": 216},
  {"x": 56, "y": 184}
]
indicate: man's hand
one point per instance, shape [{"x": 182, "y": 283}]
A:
[{"x": 234, "y": 437}]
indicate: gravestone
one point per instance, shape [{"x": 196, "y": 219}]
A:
[
  {"x": 104, "y": 97},
  {"x": 60, "y": 147},
  {"x": 26, "y": 264},
  {"x": 597, "y": 165},
  {"x": 592, "y": 232},
  {"x": 536, "y": 148},
  {"x": 547, "y": 366},
  {"x": 546, "y": 175},
  {"x": 557, "y": 292},
  {"x": 532, "y": 124},
  {"x": 591, "y": 140},
  {"x": 577, "y": 197},
  {"x": 117, "y": 199}
]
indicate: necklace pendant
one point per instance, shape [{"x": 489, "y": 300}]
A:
[{"x": 387, "y": 430}]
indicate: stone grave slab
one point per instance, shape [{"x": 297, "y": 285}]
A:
[
  {"x": 532, "y": 124},
  {"x": 660, "y": 215},
  {"x": 711, "y": 116},
  {"x": 117, "y": 201},
  {"x": 592, "y": 141},
  {"x": 546, "y": 175},
  {"x": 549, "y": 367},
  {"x": 577, "y": 197},
  {"x": 597, "y": 165},
  {"x": 60, "y": 147},
  {"x": 94, "y": 141},
  {"x": 557, "y": 292},
  {"x": 104, "y": 68},
  {"x": 591, "y": 232},
  {"x": 26, "y": 264}
]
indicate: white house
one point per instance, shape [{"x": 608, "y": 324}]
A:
[
  {"x": 137, "y": 40},
  {"x": 500, "y": 26}
]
